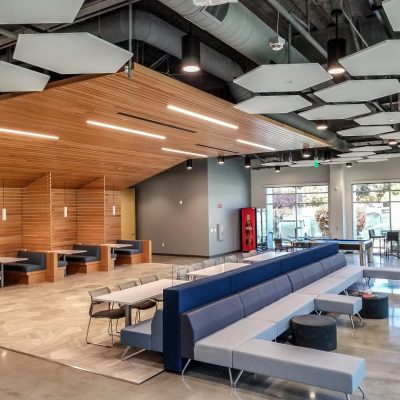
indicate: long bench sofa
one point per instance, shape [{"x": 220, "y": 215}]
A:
[
  {"x": 86, "y": 262},
  {"x": 232, "y": 332}
]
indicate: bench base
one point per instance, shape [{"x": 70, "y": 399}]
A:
[
  {"x": 128, "y": 259},
  {"x": 25, "y": 278},
  {"x": 83, "y": 268}
]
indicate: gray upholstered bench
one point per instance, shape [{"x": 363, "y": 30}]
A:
[
  {"x": 382, "y": 273},
  {"x": 336, "y": 303},
  {"x": 338, "y": 372}
]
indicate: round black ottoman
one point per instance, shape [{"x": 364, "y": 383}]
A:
[
  {"x": 314, "y": 331},
  {"x": 376, "y": 307}
]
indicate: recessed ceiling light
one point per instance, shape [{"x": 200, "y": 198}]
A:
[
  {"x": 183, "y": 152},
  {"x": 255, "y": 145},
  {"x": 29, "y": 134},
  {"x": 201, "y": 116},
  {"x": 126, "y": 130}
]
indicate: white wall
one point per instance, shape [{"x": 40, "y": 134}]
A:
[{"x": 339, "y": 179}]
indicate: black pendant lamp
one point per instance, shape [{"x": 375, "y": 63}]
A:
[
  {"x": 190, "y": 54},
  {"x": 336, "y": 51}
]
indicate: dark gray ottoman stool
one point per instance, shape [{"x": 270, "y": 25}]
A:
[
  {"x": 314, "y": 331},
  {"x": 376, "y": 307}
]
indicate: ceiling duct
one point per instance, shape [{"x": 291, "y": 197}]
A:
[{"x": 240, "y": 29}]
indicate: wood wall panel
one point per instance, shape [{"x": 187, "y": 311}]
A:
[
  {"x": 64, "y": 230},
  {"x": 36, "y": 214},
  {"x": 91, "y": 213},
  {"x": 11, "y": 230},
  {"x": 112, "y": 222}
]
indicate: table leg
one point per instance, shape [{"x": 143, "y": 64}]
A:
[
  {"x": 128, "y": 317},
  {"x": 2, "y": 274},
  {"x": 362, "y": 255},
  {"x": 370, "y": 254}
]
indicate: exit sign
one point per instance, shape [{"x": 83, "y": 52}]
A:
[{"x": 316, "y": 164}]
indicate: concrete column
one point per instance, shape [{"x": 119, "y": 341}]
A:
[{"x": 337, "y": 209}]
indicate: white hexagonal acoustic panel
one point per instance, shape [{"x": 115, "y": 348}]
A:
[
  {"x": 18, "y": 12},
  {"x": 70, "y": 53},
  {"x": 380, "y": 118},
  {"x": 378, "y": 60},
  {"x": 14, "y": 78},
  {"x": 392, "y": 10},
  {"x": 335, "y": 111},
  {"x": 356, "y": 150},
  {"x": 365, "y": 131},
  {"x": 283, "y": 78},
  {"x": 358, "y": 154},
  {"x": 273, "y": 104},
  {"x": 391, "y": 135},
  {"x": 359, "y": 90}
]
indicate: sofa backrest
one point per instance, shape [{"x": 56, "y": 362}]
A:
[
  {"x": 134, "y": 244},
  {"x": 264, "y": 294},
  {"x": 333, "y": 263},
  {"x": 157, "y": 331},
  {"x": 91, "y": 250},
  {"x": 304, "y": 276},
  {"x": 34, "y": 257},
  {"x": 204, "y": 321}
]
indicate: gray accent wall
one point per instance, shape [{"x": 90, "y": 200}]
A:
[
  {"x": 175, "y": 228},
  {"x": 228, "y": 191},
  {"x": 211, "y": 194}
]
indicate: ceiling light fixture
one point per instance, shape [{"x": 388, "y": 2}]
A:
[
  {"x": 221, "y": 160},
  {"x": 276, "y": 43},
  {"x": 201, "y": 116},
  {"x": 336, "y": 51},
  {"x": 29, "y": 134},
  {"x": 392, "y": 142},
  {"x": 125, "y": 130},
  {"x": 349, "y": 165},
  {"x": 277, "y": 169},
  {"x": 183, "y": 152},
  {"x": 3, "y": 210},
  {"x": 189, "y": 165},
  {"x": 306, "y": 153},
  {"x": 322, "y": 125},
  {"x": 247, "y": 162},
  {"x": 255, "y": 145},
  {"x": 190, "y": 54}
]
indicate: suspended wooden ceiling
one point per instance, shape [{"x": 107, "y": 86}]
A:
[{"x": 85, "y": 152}]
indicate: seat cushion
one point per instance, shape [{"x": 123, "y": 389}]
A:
[
  {"x": 62, "y": 263},
  {"x": 90, "y": 250},
  {"x": 338, "y": 304},
  {"x": 81, "y": 259},
  {"x": 217, "y": 348},
  {"x": 21, "y": 267},
  {"x": 127, "y": 251},
  {"x": 144, "y": 305},
  {"x": 382, "y": 273},
  {"x": 353, "y": 272},
  {"x": 284, "y": 309},
  {"x": 138, "y": 335},
  {"x": 327, "y": 285}
]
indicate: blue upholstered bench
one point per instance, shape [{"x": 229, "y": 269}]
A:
[
  {"x": 29, "y": 271},
  {"x": 146, "y": 335},
  {"x": 129, "y": 255},
  {"x": 86, "y": 262}
]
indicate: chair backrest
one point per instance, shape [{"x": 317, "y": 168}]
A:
[
  {"x": 127, "y": 285},
  {"x": 34, "y": 257},
  {"x": 231, "y": 258},
  {"x": 209, "y": 263},
  {"x": 181, "y": 273},
  {"x": 134, "y": 244},
  {"x": 278, "y": 243},
  {"x": 91, "y": 250},
  {"x": 392, "y": 236},
  {"x": 197, "y": 266},
  {"x": 253, "y": 252},
  {"x": 148, "y": 279},
  {"x": 371, "y": 233},
  {"x": 96, "y": 306}
]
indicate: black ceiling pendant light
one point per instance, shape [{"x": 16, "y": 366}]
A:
[
  {"x": 322, "y": 125},
  {"x": 247, "y": 162},
  {"x": 221, "y": 160},
  {"x": 189, "y": 165},
  {"x": 190, "y": 53},
  {"x": 336, "y": 51}
]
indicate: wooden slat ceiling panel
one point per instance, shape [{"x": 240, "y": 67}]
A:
[{"x": 85, "y": 152}]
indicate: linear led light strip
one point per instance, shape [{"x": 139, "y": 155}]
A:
[
  {"x": 29, "y": 134},
  {"x": 126, "y": 130},
  {"x": 255, "y": 144},
  {"x": 184, "y": 152},
  {"x": 201, "y": 116}
]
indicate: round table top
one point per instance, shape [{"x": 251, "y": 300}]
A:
[
  {"x": 313, "y": 320},
  {"x": 376, "y": 296}
]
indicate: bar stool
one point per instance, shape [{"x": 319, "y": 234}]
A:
[
  {"x": 373, "y": 236},
  {"x": 392, "y": 237}
]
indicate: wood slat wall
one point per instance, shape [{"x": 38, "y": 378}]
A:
[
  {"x": 64, "y": 230},
  {"x": 112, "y": 222},
  {"x": 36, "y": 214},
  {"x": 11, "y": 230},
  {"x": 90, "y": 213}
]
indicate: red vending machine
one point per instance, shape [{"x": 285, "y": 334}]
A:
[{"x": 249, "y": 237}]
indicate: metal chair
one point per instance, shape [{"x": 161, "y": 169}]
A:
[
  {"x": 373, "y": 236},
  {"x": 152, "y": 278},
  {"x": 392, "y": 237},
  {"x": 279, "y": 245},
  {"x": 142, "y": 305},
  {"x": 101, "y": 310}
]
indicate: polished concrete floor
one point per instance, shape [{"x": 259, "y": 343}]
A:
[{"x": 378, "y": 341}]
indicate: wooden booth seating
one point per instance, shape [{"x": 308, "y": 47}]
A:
[
  {"x": 32, "y": 270},
  {"x": 55, "y": 267},
  {"x": 86, "y": 262},
  {"x": 139, "y": 251}
]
